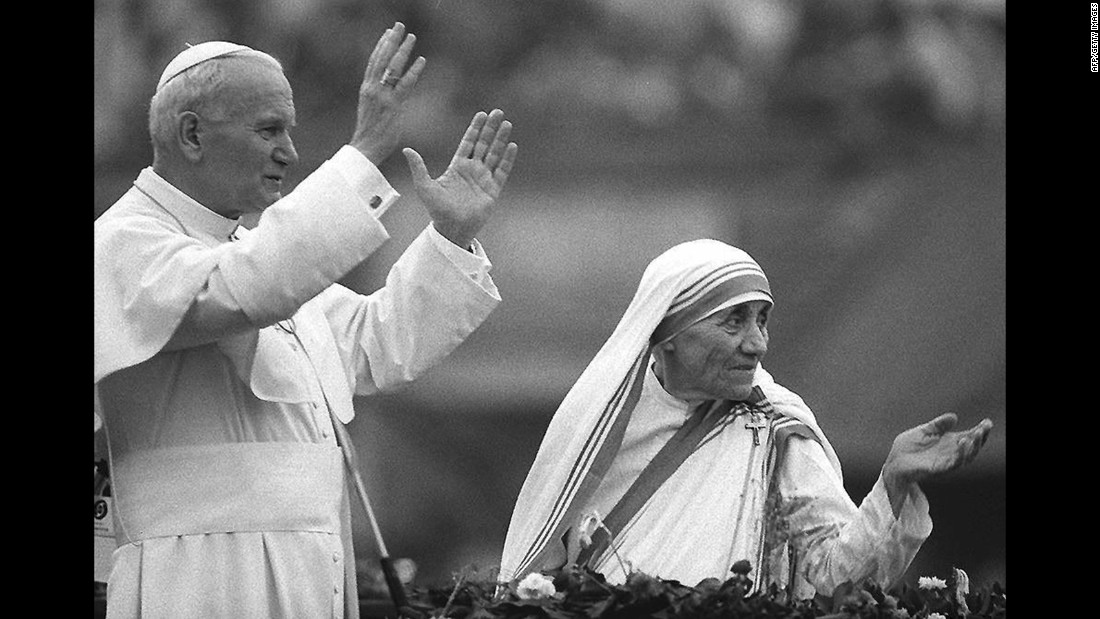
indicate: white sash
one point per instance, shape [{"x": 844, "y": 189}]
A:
[{"x": 233, "y": 487}]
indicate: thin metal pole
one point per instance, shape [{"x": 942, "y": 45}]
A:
[{"x": 393, "y": 583}]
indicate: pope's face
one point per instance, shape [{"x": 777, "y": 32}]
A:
[
  {"x": 245, "y": 155},
  {"x": 716, "y": 357}
]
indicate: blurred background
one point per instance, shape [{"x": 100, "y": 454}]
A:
[{"x": 856, "y": 149}]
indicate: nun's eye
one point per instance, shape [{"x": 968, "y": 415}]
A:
[{"x": 733, "y": 323}]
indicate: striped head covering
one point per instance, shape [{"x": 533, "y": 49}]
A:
[
  {"x": 738, "y": 280},
  {"x": 680, "y": 287}
]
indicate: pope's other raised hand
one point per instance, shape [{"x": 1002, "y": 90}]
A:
[
  {"x": 386, "y": 85},
  {"x": 460, "y": 200}
]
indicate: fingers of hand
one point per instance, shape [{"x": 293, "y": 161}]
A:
[
  {"x": 941, "y": 424},
  {"x": 396, "y": 64},
  {"x": 981, "y": 431},
  {"x": 500, "y": 142},
  {"x": 968, "y": 449},
  {"x": 387, "y": 62},
  {"x": 504, "y": 168},
  {"x": 372, "y": 60},
  {"x": 971, "y": 442},
  {"x": 985, "y": 427},
  {"x": 416, "y": 166},
  {"x": 411, "y": 76},
  {"x": 383, "y": 51},
  {"x": 466, "y": 145},
  {"x": 488, "y": 132}
]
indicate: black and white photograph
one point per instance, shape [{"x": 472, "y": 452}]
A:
[{"x": 554, "y": 309}]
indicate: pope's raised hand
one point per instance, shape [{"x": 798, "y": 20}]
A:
[
  {"x": 933, "y": 448},
  {"x": 460, "y": 200},
  {"x": 385, "y": 87}
]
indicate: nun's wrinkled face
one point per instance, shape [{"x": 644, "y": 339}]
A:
[
  {"x": 716, "y": 357},
  {"x": 246, "y": 152}
]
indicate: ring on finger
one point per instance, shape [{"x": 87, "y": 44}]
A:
[{"x": 390, "y": 78}]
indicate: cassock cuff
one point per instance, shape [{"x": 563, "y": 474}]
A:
[
  {"x": 365, "y": 178},
  {"x": 474, "y": 264}
]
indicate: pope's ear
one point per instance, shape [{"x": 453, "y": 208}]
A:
[{"x": 187, "y": 135}]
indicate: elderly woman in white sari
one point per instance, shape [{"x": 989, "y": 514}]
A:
[{"x": 676, "y": 454}]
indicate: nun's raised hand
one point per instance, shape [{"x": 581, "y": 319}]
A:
[{"x": 930, "y": 449}]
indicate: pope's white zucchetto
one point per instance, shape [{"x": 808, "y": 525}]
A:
[{"x": 198, "y": 54}]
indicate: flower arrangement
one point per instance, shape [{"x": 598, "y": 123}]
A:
[{"x": 580, "y": 593}]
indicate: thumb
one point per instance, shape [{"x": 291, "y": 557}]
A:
[
  {"x": 941, "y": 424},
  {"x": 417, "y": 168}
]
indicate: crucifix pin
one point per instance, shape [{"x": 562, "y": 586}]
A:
[{"x": 755, "y": 424}]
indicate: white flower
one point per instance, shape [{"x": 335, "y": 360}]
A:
[
  {"x": 406, "y": 570},
  {"x": 535, "y": 586},
  {"x": 936, "y": 616},
  {"x": 931, "y": 582},
  {"x": 962, "y": 582},
  {"x": 587, "y": 527}
]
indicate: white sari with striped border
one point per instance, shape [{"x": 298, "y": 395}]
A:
[{"x": 680, "y": 286}]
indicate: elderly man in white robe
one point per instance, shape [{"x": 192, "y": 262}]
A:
[
  {"x": 677, "y": 455},
  {"x": 226, "y": 358}
]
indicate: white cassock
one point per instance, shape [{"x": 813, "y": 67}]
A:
[{"x": 228, "y": 481}]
